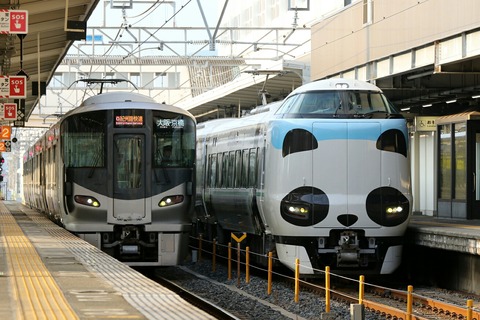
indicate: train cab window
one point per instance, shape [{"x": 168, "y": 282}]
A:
[
  {"x": 84, "y": 139},
  {"x": 173, "y": 140},
  {"x": 337, "y": 103}
]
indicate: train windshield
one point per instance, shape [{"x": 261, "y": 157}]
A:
[
  {"x": 173, "y": 140},
  {"x": 336, "y": 103},
  {"x": 84, "y": 140}
]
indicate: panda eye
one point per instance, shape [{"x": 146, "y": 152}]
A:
[
  {"x": 387, "y": 206},
  {"x": 305, "y": 206}
]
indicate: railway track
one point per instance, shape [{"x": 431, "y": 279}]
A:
[
  {"x": 387, "y": 303},
  {"x": 395, "y": 304},
  {"x": 427, "y": 307},
  {"x": 194, "y": 299}
]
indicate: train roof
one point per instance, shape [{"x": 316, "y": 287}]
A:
[
  {"x": 225, "y": 124},
  {"x": 336, "y": 84},
  {"x": 124, "y": 100},
  {"x": 120, "y": 96}
]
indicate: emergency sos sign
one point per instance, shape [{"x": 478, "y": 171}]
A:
[
  {"x": 13, "y": 21},
  {"x": 13, "y": 87}
]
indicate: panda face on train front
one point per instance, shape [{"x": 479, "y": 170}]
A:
[
  {"x": 337, "y": 191},
  {"x": 331, "y": 171}
]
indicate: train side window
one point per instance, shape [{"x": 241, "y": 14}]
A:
[
  {"x": 244, "y": 182},
  {"x": 252, "y": 168},
  {"x": 212, "y": 176},
  {"x": 219, "y": 178},
  {"x": 238, "y": 169},
  {"x": 231, "y": 169},
  {"x": 225, "y": 170},
  {"x": 54, "y": 151}
]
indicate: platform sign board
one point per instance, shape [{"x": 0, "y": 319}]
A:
[
  {"x": 5, "y": 146},
  {"x": 9, "y": 111},
  {"x": 13, "y": 87},
  {"x": 6, "y": 132},
  {"x": 13, "y": 21},
  {"x": 5, "y": 135},
  {"x": 425, "y": 123},
  {"x": 18, "y": 87},
  {"x": 19, "y": 21}
]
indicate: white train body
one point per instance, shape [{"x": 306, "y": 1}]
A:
[
  {"x": 327, "y": 183},
  {"x": 100, "y": 173}
]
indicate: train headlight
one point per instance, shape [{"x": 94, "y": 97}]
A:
[
  {"x": 170, "y": 200},
  {"x": 304, "y": 206},
  {"x": 387, "y": 206},
  {"x": 394, "y": 209},
  {"x": 87, "y": 201},
  {"x": 299, "y": 211}
]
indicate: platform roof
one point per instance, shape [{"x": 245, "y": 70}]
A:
[{"x": 45, "y": 44}]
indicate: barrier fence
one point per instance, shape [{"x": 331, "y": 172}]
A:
[{"x": 468, "y": 313}]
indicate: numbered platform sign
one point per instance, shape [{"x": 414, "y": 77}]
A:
[
  {"x": 5, "y": 146},
  {"x": 6, "y": 132}
]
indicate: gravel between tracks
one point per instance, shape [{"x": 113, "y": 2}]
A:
[{"x": 254, "y": 302}]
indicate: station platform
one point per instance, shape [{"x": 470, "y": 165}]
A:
[
  {"x": 443, "y": 252},
  {"x": 447, "y": 234},
  {"x": 48, "y": 273}
]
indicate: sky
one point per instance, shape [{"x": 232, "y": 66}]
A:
[{"x": 109, "y": 25}]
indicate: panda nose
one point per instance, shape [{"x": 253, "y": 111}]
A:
[{"x": 347, "y": 219}]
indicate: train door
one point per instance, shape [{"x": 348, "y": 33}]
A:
[
  {"x": 347, "y": 166},
  {"x": 129, "y": 177},
  {"x": 473, "y": 170},
  {"x": 329, "y": 170}
]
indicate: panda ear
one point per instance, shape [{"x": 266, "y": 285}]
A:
[
  {"x": 298, "y": 140},
  {"x": 393, "y": 140}
]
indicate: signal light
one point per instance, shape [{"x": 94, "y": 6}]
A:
[{"x": 2, "y": 160}]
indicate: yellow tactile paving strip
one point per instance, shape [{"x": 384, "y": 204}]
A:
[{"x": 35, "y": 292}]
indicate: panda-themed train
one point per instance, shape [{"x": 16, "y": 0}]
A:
[
  {"x": 118, "y": 171},
  {"x": 322, "y": 176}
]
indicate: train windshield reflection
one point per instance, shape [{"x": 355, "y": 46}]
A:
[
  {"x": 335, "y": 102},
  {"x": 173, "y": 140}
]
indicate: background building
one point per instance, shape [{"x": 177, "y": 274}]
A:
[{"x": 224, "y": 58}]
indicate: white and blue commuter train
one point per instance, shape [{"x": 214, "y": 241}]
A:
[
  {"x": 322, "y": 176},
  {"x": 101, "y": 172}
]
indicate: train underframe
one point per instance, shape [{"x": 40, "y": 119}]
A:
[
  {"x": 344, "y": 251},
  {"x": 135, "y": 246}
]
